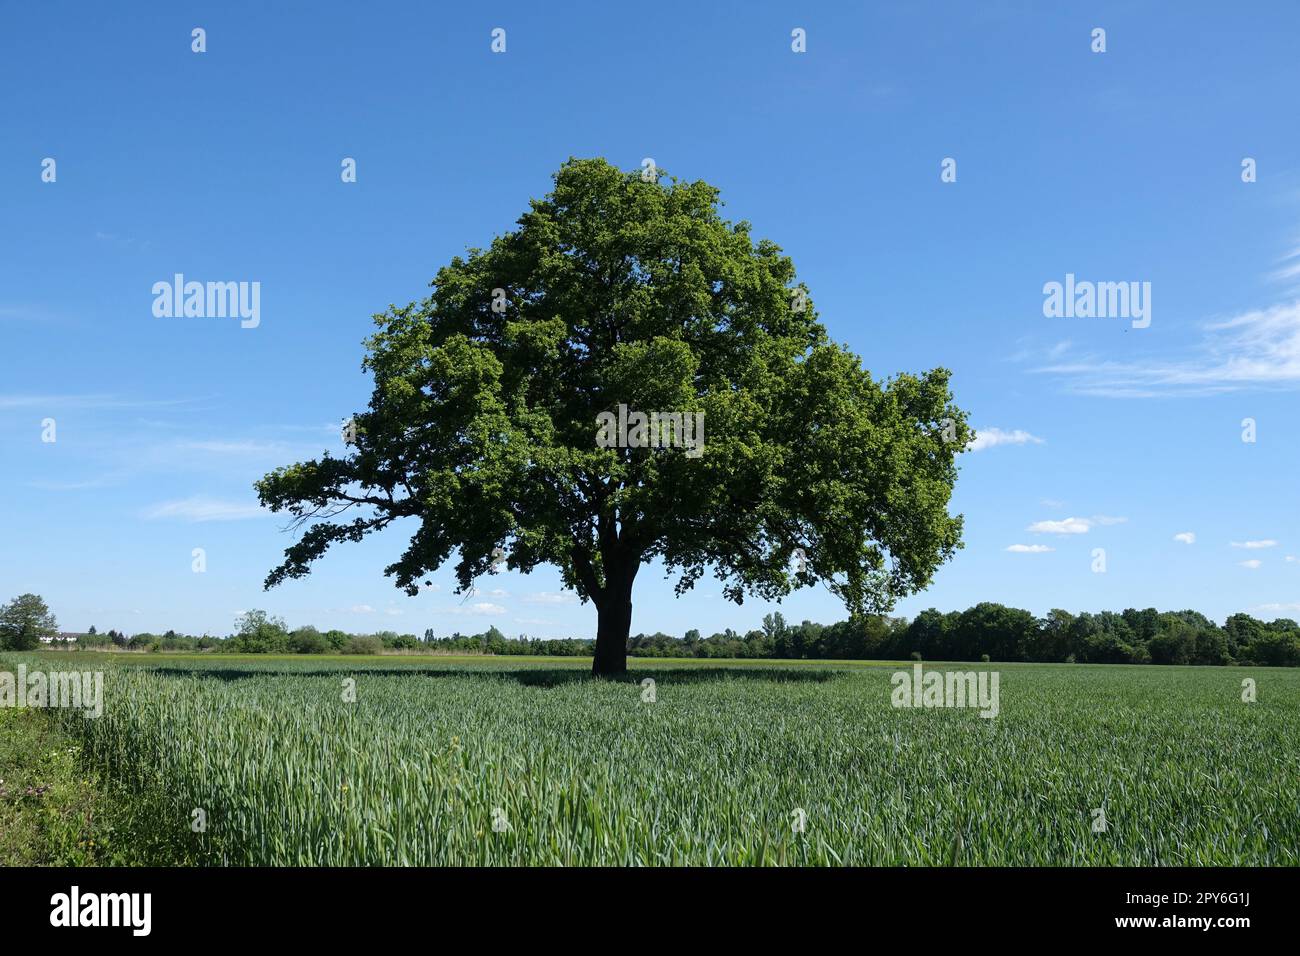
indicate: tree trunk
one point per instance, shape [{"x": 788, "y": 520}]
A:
[{"x": 614, "y": 624}]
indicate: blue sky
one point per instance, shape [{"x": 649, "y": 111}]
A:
[{"x": 1115, "y": 166}]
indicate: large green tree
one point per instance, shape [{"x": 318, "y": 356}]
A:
[
  {"x": 24, "y": 621},
  {"x": 621, "y": 289}
]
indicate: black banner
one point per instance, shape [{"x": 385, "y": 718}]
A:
[{"x": 943, "y": 906}]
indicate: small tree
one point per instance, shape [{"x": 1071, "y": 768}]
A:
[
  {"x": 24, "y": 621},
  {"x": 256, "y": 632}
]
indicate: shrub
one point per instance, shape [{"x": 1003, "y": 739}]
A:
[
  {"x": 307, "y": 640},
  {"x": 370, "y": 644}
]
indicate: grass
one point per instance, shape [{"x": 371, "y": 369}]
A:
[
  {"x": 433, "y": 750},
  {"x": 56, "y": 811}
]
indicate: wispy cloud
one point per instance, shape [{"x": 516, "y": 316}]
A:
[
  {"x": 200, "y": 508},
  {"x": 116, "y": 240},
  {"x": 1064, "y": 526},
  {"x": 1029, "y": 548},
  {"x": 1278, "y": 608},
  {"x": 24, "y": 313},
  {"x": 1255, "y": 545},
  {"x": 1186, "y": 537},
  {"x": 551, "y": 597},
  {"x": 1256, "y": 349},
  {"x": 477, "y": 609},
  {"x": 235, "y": 447},
  {"x": 993, "y": 437},
  {"x": 88, "y": 401},
  {"x": 1289, "y": 267},
  {"x": 1253, "y": 563}
]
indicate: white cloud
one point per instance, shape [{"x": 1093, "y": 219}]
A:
[
  {"x": 1064, "y": 526},
  {"x": 234, "y": 447},
  {"x": 1253, "y": 563},
  {"x": 992, "y": 437},
  {"x": 1029, "y": 548},
  {"x": 551, "y": 597},
  {"x": 478, "y": 609},
  {"x": 201, "y": 508},
  {"x": 1186, "y": 537},
  {"x": 1256, "y": 349},
  {"x": 95, "y": 401},
  {"x": 1277, "y": 607},
  {"x": 1291, "y": 558},
  {"x": 1254, "y": 545},
  {"x": 1073, "y": 525},
  {"x": 1290, "y": 268}
]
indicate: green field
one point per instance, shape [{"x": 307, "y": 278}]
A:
[{"x": 714, "y": 771}]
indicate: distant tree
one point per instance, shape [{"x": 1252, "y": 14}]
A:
[
  {"x": 256, "y": 632},
  {"x": 1142, "y": 625},
  {"x": 1174, "y": 641},
  {"x": 307, "y": 640},
  {"x": 1212, "y": 646},
  {"x": 1053, "y": 641},
  {"x": 928, "y": 634},
  {"x": 757, "y": 645},
  {"x": 335, "y": 640},
  {"x": 1277, "y": 645},
  {"x": 1004, "y": 633},
  {"x": 24, "y": 621},
  {"x": 369, "y": 644},
  {"x": 1241, "y": 631},
  {"x": 1092, "y": 641},
  {"x": 777, "y": 633}
]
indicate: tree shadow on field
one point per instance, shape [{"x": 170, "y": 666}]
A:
[
  {"x": 674, "y": 675},
  {"x": 544, "y": 677}
]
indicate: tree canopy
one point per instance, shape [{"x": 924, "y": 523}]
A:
[
  {"x": 618, "y": 290},
  {"x": 24, "y": 621}
]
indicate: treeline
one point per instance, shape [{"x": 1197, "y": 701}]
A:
[
  {"x": 259, "y": 633},
  {"x": 996, "y": 632},
  {"x": 986, "y": 631}
]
